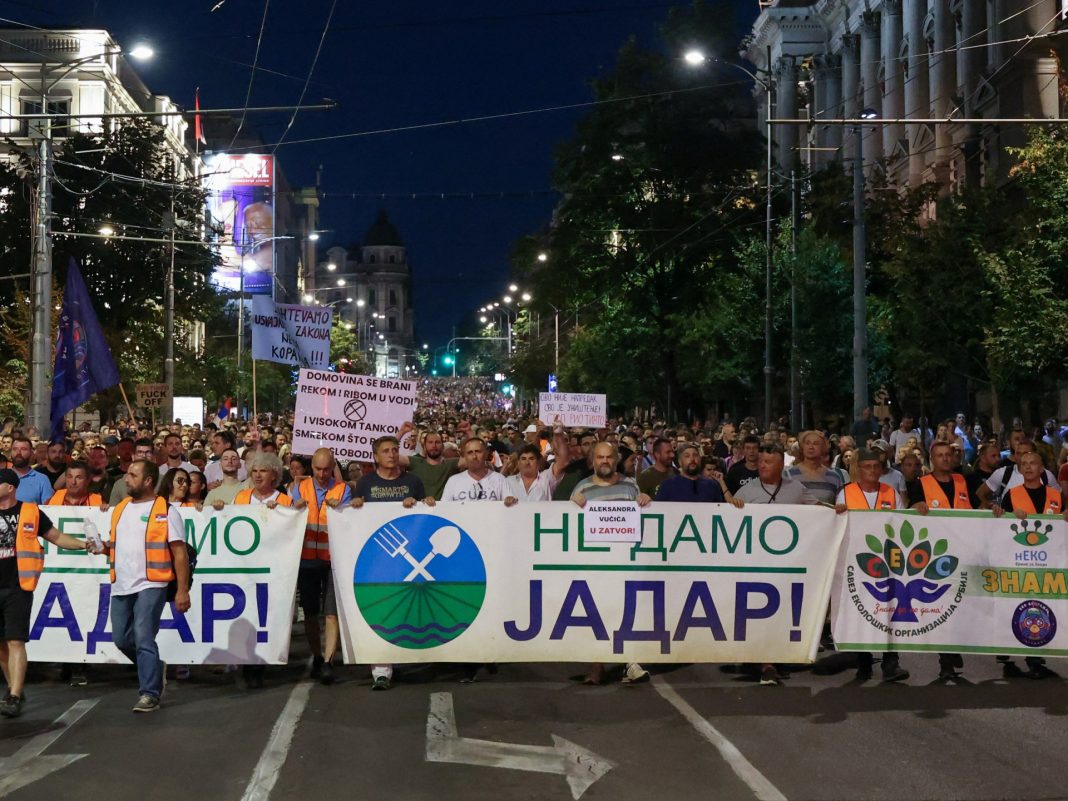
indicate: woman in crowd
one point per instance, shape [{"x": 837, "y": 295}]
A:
[
  {"x": 175, "y": 487},
  {"x": 198, "y": 487}
]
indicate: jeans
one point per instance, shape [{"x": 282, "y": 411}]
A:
[{"x": 135, "y": 623}]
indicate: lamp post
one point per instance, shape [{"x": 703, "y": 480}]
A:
[
  {"x": 860, "y": 300},
  {"x": 696, "y": 58},
  {"x": 41, "y": 344}
]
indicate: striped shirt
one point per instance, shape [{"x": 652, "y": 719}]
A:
[
  {"x": 824, "y": 487},
  {"x": 623, "y": 490}
]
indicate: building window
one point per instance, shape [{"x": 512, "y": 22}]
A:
[
  {"x": 371, "y": 298},
  {"x": 372, "y": 259},
  {"x": 392, "y": 324},
  {"x": 58, "y": 109},
  {"x": 392, "y": 259},
  {"x": 392, "y": 297}
]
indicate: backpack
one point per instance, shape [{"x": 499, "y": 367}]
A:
[{"x": 172, "y": 586}]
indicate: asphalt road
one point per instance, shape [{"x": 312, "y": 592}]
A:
[{"x": 694, "y": 732}]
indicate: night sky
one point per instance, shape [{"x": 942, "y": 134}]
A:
[{"x": 391, "y": 65}]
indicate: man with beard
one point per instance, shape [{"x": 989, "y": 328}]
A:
[
  {"x": 608, "y": 485},
  {"x": 689, "y": 484},
  {"x": 432, "y": 468},
  {"x": 55, "y": 463},
  {"x": 33, "y": 487},
  {"x": 173, "y": 450},
  {"x": 225, "y": 492}
]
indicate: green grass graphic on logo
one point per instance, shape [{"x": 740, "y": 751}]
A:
[{"x": 419, "y": 581}]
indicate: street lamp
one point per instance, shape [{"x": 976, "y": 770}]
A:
[
  {"x": 696, "y": 58},
  {"x": 860, "y": 300}
]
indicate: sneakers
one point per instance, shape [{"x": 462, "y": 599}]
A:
[
  {"x": 11, "y": 706},
  {"x": 769, "y": 676},
  {"x": 892, "y": 671},
  {"x": 381, "y": 683},
  {"x": 146, "y": 703},
  {"x": 326, "y": 673},
  {"x": 316, "y": 667},
  {"x": 635, "y": 674}
]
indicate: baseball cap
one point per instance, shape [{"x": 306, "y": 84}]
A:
[
  {"x": 881, "y": 445},
  {"x": 9, "y": 476},
  {"x": 531, "y": 429},
  {"x": 866, "y": 455},
  {"x": 111, "y": 440}
]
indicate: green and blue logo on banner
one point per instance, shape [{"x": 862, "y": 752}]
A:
[{"x": 419, "y": 581}]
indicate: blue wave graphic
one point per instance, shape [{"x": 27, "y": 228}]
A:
[
  {"x": 419, "y": 640},
  {"x": 410, "y": 627}
]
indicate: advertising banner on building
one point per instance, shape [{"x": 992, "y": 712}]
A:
[
  {"x": 242, "y": 594},
  {"x": 291, "y": 334},
  {"x": 347, "y": 413},
  {"x": 479, "y": 582},
  {"x": 242, "y": 211},
  {"x": 953, "y": 582}
]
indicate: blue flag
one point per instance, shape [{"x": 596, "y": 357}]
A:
[{"x": 83, "y": 361}]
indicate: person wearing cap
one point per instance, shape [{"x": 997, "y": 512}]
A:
[
  {"x": 22, "y": 524},
  {"x": 870, "y": 492},
  {"x": 34, "y": 487},
  {"x": 890, "y": 475}
]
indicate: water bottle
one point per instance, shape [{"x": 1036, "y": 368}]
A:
[{"x": 93, "y": 536}]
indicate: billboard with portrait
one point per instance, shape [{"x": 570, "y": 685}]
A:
[{"x": 241, "y": 213}]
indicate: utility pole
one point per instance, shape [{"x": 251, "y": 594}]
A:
[
  {"x": 795, "y": 367},
  {"x": 860, "y": 309},
  {"x": 768, "y": 241},
  {"x": 168, "y": 325},
  {"x": 40, "y": 402}
]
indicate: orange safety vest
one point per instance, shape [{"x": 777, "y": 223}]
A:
[
  {"x": 60, "y": 499},
  {"x": 158, "y": 564},
  {"x": 29, "y": 553},
  {"x": 316, "y": 544},
  {"x": 855, "y": 499},
  {"x": 1021, "y": 499},
  {"x": 245, "y": 497},
  {"x": 936, "y": 498}
]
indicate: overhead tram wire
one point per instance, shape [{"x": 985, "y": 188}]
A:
[
  {"x": 311, "y": 71},
  {"x": 252, "y": 75}
]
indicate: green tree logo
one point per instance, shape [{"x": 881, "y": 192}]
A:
[{"x": 922, "y": 566}]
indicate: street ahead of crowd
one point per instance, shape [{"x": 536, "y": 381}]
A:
[{"x": 539, "y": 610}]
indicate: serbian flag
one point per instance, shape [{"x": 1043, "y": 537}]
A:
[
  {"x": 224, "y": 409},
  {"x": 198, "y": 129}
]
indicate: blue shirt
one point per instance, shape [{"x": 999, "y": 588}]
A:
[
  {"x": 34, "y": 487},
  {"x": 683, "y": 489}
]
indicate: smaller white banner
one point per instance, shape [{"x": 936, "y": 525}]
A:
[
  {"x": 347, "y": 413},
  {"x": 290, "y": 334},
  {"x": 613, "y": 521},
  {"x": 573, "y": 409}
]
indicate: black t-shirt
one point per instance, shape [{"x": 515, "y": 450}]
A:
[
  {"x": 738, "y": 476},
  {"x": 1038, "y": 498},
  {"x": 373, "y": 488},
  {"x": 52, "y": 475},
  {"x": 9, "y": 529},
  {"x": 914, "y": 489}
]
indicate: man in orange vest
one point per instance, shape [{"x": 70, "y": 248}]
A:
[
  {"x": 940, "y": 490},
  {"x": 314, "y": 579},
  {"x": 76, "y": 490},
  {"x": 868, "y": 492},
  {"x": 146, "y": 552},
  {"x": 21, "y": 563},
  {"x": 1033, "y": 497}
]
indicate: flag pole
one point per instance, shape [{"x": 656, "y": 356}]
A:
[
  {"x": 126, "y": 400},
  {"x": 255, "y": 416}
]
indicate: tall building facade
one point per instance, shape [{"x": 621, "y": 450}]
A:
[
  {"x": 908, "y": 60},
  {"x": 369, "y": 287}
]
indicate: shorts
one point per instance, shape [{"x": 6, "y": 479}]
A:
[
  {"x": 316, "y": 587},
  {"x": 16, "y": 604}
]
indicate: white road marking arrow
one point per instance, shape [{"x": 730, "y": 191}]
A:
[
  {"x": 578, "y": 765},
  {"x": 27, "y": 765}
]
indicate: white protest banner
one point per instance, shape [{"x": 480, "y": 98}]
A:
[
  {"x": 152, "y": 396},
  {"x": 479, "y": 582},
  {"x": 612, "y": 521},
  {"x": 291, "y": 334},
  {"x": 242, "y": 593},
  {"x": 573, "y": 409},
  {"x": 953, "y": 582},
  {"x": 347, "y": 413}
]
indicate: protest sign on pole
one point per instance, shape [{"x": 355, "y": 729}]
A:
[
  {"x": 290, "y": 334},
  {"x": 242, "y": 594},
  {"x": 152, "y": 396},
  {"x": 952, "y": 582},
  {"x": 347, "y": 413},
  {"x": 708, "y": 583},
  {"x": 573, "y": 409}
]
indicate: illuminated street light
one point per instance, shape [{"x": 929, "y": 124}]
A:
[
  {"x": 361, "y": 303},
  {"x": 694, "y": 57},
  {"x": 341, "y": 282},
  {"x": 313, "y": 237},
  {"x": 507, "y": 298},
  {"x": 331, "y": 267},
  {"x": 617, "y": 157},
  {"x": 106, "y": 230},
  {"x": 543, "y": 256},
  {"x": 526, "y": 297},
  {"x": 513, "y": 288},
  {"x": 142, "y": 52}
]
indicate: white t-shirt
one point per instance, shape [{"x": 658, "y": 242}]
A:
[
  {"x": 213, "y": 472},
  {"x": 896, "y": 479},
  {"x": 130, "y": 567},
  {"x": 994, "y": 483},
  {"x": 263, "y": 501},
  {"x": 463, "y": 487},
  {"x": 165, "y": 468},
  {"x": 541, "y": 490},
  {"x": 871, "y": 498}
]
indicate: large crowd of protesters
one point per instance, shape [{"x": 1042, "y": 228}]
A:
[{"x": 468, "y": 442}]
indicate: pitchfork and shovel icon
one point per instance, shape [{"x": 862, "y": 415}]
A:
[{"x": 443, "y": 542}]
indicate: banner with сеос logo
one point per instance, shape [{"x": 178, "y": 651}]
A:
[
  {"x": 242, "y": 594},
  {"x": 952, "y": 582},
  {"x": 479, "y": 582}
]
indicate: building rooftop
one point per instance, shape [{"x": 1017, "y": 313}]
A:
[{"x": 382, "y": 233}]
